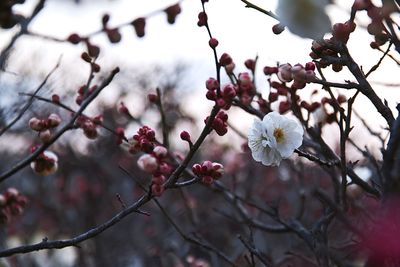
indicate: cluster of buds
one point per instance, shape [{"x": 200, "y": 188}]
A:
[
  {"x": 327, "y": 50},
  {"x": 155, "y": 162},
  {"x": 83, "y": 93},
  {"x": 245, "y": 88},
  {"x": 377, "y": 14},
  {"x": 113, "y": 34},
  {"x": 12, "y": 203},
  {"x": 93, "y": 51},
  {"x": 89, "y": 125},
  {"x": 220, "y": 123},
  {"x": 299, "y": 74},
  {"x": 45, "y": 164},
  {"x": 144, "y": 140},
  {"x": 8, "y": 19},
  {"x": 208, "y": 171},
  {"x": 44, "y": 126},
  {"x": 226, "y": 61},
  {"x": 227, "y": 94}
]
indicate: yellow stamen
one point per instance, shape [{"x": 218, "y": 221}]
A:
[{"x": 279, "y": 135}]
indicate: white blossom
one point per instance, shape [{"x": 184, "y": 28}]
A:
[
  {"x": 274, "y": 138},
  {"x": 305, "y": 18}
]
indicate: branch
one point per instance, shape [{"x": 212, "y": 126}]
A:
[
  {"x": 24, "y": 30},
  {"x": 23, "y": 163},
  {"x": 58, "y": 244},
  {"x": 30, "y": 101}
]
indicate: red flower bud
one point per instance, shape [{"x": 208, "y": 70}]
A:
[
  {"x": 139, "y": 25},
  {"x": 185, "y": 136},
  {"x": 213, "y": 43}
]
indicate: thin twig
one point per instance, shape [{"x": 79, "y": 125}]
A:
[
  {"x": 30, "y": 100},
  {"x": 70, "y": 125}
]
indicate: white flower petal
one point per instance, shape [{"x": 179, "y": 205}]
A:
[
  {"x": 305, "y": 18},
  {"x": 268, "y": 148}
]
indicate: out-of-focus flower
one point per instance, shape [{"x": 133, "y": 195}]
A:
[
  {"x": 305, "y": 18},
  {"x": 45, "y": 164},
  {"x": 148, "y": 163},
  {"x": 274, "y": 138}
]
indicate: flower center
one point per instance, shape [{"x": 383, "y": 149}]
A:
[{"x": 279, "y": 135}]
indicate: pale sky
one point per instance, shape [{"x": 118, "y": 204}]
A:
[{"x": 243, "y": 33}]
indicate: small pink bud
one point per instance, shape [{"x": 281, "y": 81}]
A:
[
  {"x": 36, "y": 124},
  {"x": 278, "y": 28},
  {"x": 270, "y": 70},
  {"x": 213, "y": 43},
  {"x": 225, "y": 59},
  {"x": 153, "y": 98},
  {"x": 74, "y": 38},
  {"x": 212, "y": 84},
  {"x": 53, "y": 120},
  {"x": 208, "y": 180},
  {"x": 165, "y": 168},
  {"x": 228, "y": 91},
  {"x": 45, "y": 136},
  {"x": 160, "y": 151},
  {"x": 230, "y": 67},
  {"x": 250, "y": 64},
  {"x": 185, "y": 136},
  {"x": 158, "y": 179},
  {"x": 196, "y": 169},
  {"x": 207, "y": 166},
  {"x": 202, "y": 19},
  {"x": 148, "y": 163},
  {"x": 310, "y": 66}
]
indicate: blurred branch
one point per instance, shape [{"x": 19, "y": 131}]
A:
[
  {"x": 24, "y": 23},
  {"x": 23, "y": 163},
  {"x": 30, "y": 100}
]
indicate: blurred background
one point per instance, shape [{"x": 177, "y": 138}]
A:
[{"x": 177, "y": 60}]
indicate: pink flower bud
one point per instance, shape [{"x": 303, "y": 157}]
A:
[
  {"x": 207, "y": 166},
  {"x": 208, "y": 180},
  {"x": 228, "y": 91},
  {"x": 212, "y": 84},
  {"x": 270, "y": 70},
  {"x": 160, "y": 151},
  {"x": 230, "y": 67},
  {"x": 213, "y": 43},
  {"x": 159, "y": 179},
  {"x": 53, "y": 120},
  {"x": 202, "y": 19},
  {"x": 225, "y": 59},
  {"x": 196, "y": 169},
  {"x": 284, "y": 73},
  {"x": 185, "y": 136},
  {"x": 165, "y": 168},
  {"x": 45, "y": 136},
  {"x": 250, "y": 64},
  {"x": 148, "y": 163},
  {"x": 36, "y": 124},
  {"x": 278, "y": 28}
]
